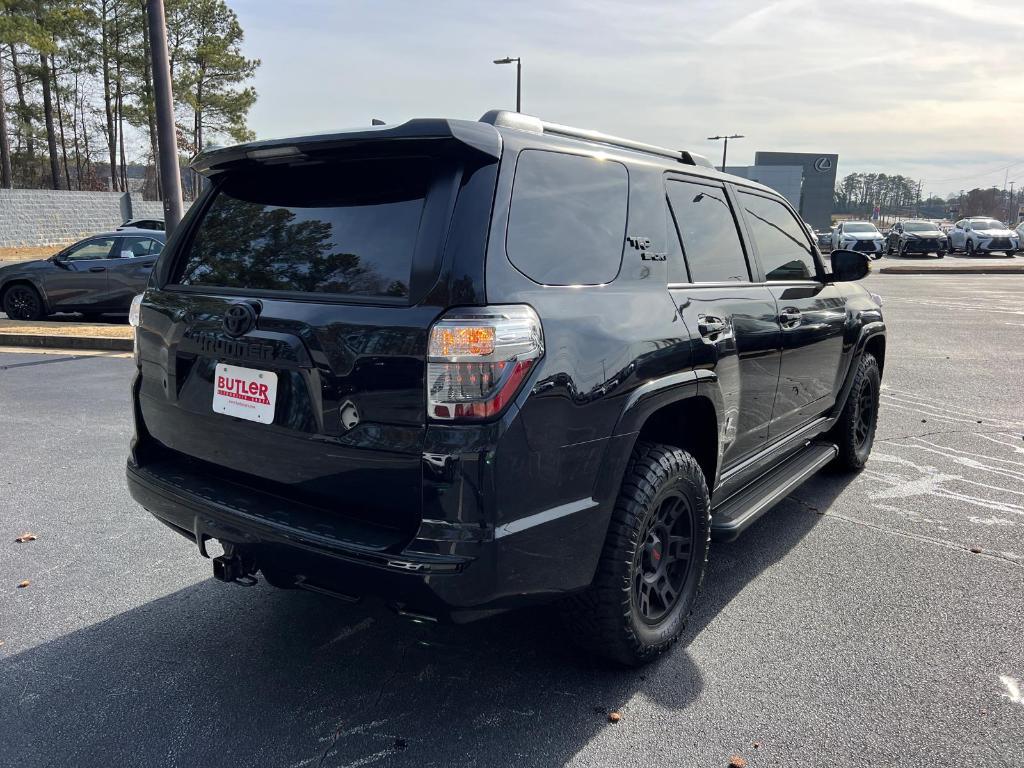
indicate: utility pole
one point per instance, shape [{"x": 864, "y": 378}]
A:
[
  {"x": 1010, "y": 214},
  {"x": 170, "y": 175},
  {"x": 725, "y": 147}
]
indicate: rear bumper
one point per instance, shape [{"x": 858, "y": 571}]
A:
[{"x": 290, "y": 543}]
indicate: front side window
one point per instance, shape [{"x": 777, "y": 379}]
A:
[
  {"x": 781, "y": 242},
  {"x": 567, "y": 221},
  {"x": 98, "y": 248},
  {"x": 344, "y": 227},
  {"x": 707, "y": 230}
]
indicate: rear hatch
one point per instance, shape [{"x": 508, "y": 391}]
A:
[{"x": 282, "y": 342}]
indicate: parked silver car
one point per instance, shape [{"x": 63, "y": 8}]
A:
[{"x": 983, "y": 235}]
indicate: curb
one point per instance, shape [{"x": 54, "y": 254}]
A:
[
  {"x": 66, "y": 342},
  {"x": 979, "y": 269}
]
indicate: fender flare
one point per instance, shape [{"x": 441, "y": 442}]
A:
[
  {"x": 643, "y": 401},
  {"x": 868, "y": 331}
]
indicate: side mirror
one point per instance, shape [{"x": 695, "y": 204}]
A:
[{"x": 848, "y": 266}]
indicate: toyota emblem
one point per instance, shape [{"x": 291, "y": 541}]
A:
[{"x": 239, "y": 319}]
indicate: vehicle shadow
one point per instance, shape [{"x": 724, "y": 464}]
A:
[{"x": 220, "y": 675}]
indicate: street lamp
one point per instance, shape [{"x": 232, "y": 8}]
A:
[
  {"x": 519, "y": 78},
  {"x": 725, "y": 148}
]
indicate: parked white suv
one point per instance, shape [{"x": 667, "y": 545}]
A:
[
  {"x": 860, "y": 236},
  {"x": 983, "y": 235}
]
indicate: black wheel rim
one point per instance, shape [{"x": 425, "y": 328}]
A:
[
  {"x": 21, "y": 304},
  {"x": 662, "y": 561},
  {"x": 865, "y": 415}
]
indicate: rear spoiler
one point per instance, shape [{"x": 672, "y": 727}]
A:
[{"x": 478, "y": 136}]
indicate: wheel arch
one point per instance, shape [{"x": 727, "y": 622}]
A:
[
  {"x": 875, "y": 345},
  {"x": 871, "y": 339},
  {"x": 680, "y": 410},
  {"x": 24, "y": 280}
]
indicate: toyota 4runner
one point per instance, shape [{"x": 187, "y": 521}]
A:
[{"x": 471, "y": 366}]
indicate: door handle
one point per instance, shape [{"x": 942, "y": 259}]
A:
[
  {"x": 708, "y": 325},
  {"x": 97, "y": 269},
  {"x": 790, "y": 317}
]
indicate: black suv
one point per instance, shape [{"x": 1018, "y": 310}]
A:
[{"x": 470, "y": 366}]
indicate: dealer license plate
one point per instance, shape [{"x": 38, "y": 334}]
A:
[{"x": 245, "y": 393}]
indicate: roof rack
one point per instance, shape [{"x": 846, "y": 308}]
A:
[{"x": 505, "y": 119}]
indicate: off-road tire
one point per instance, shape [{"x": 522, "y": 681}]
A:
[
  {"x": 855, "y": 446},
  {"x": 22, "y": 302},
  {"x": 605, "y": 619}
]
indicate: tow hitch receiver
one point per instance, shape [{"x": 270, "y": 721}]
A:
[{"x": 232, "y": 567}]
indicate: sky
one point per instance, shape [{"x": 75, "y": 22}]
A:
[{"x": 931, "y": 89}]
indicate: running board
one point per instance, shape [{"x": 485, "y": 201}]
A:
[{"x": 736, "y": 513}]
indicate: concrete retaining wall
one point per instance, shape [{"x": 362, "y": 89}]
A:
[{"x": 55, "y": 217}]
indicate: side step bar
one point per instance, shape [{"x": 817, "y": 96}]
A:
[{"x": 730, "y": 518}]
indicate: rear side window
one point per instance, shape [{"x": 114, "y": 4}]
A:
[
  {"x": 707, "y": 229},
  {"x": 781, "y": 242},
  {"x": 567, "y": 223},
  {"x": 334, "y": 228}
]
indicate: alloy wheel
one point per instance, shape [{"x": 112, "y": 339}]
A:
[
  {"x": 21, "y": 303},
  {"x": 663, "y": 559},
  {"x": 865, "y": 415}
]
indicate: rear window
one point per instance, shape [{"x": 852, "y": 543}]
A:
[
  {"x": 345, "y": 228},
  {"x": 567, "y": 223}
]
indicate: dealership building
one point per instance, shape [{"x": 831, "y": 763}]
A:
[{"x": 806, "y": 179}]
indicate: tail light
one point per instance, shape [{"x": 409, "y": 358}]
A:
[
  {"x": 134, "y": 319},
  {"x": 478, "y": 359}
]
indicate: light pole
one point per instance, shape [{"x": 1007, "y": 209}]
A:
[
  {"x": 170, "y": 175},
  {"x": 519, "y": 78},
  {"x": 725, "y": 148}
]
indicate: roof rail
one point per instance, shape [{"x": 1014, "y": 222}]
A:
[{"x": 504, "y": 119}]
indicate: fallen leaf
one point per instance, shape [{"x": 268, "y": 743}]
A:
[
  {"x": 737, "y": 762},
  {"x": 26, "y": 537},
  {"x": 976, "y": 550},
  {"x": 614, "y": 717},
  {"x": 23, "y": 583},
  {"x": 924, "y": 421},
  {"x": 757, "y": 745}
]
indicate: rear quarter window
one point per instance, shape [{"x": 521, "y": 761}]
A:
[
  {"x": 567, "y": 221},
  {"x": 347, "y": 228}
]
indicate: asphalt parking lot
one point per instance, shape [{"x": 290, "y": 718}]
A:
[{"x": 868, "y": 620}]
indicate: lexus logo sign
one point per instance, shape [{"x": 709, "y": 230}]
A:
[{"x": 823, "y": 164}]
